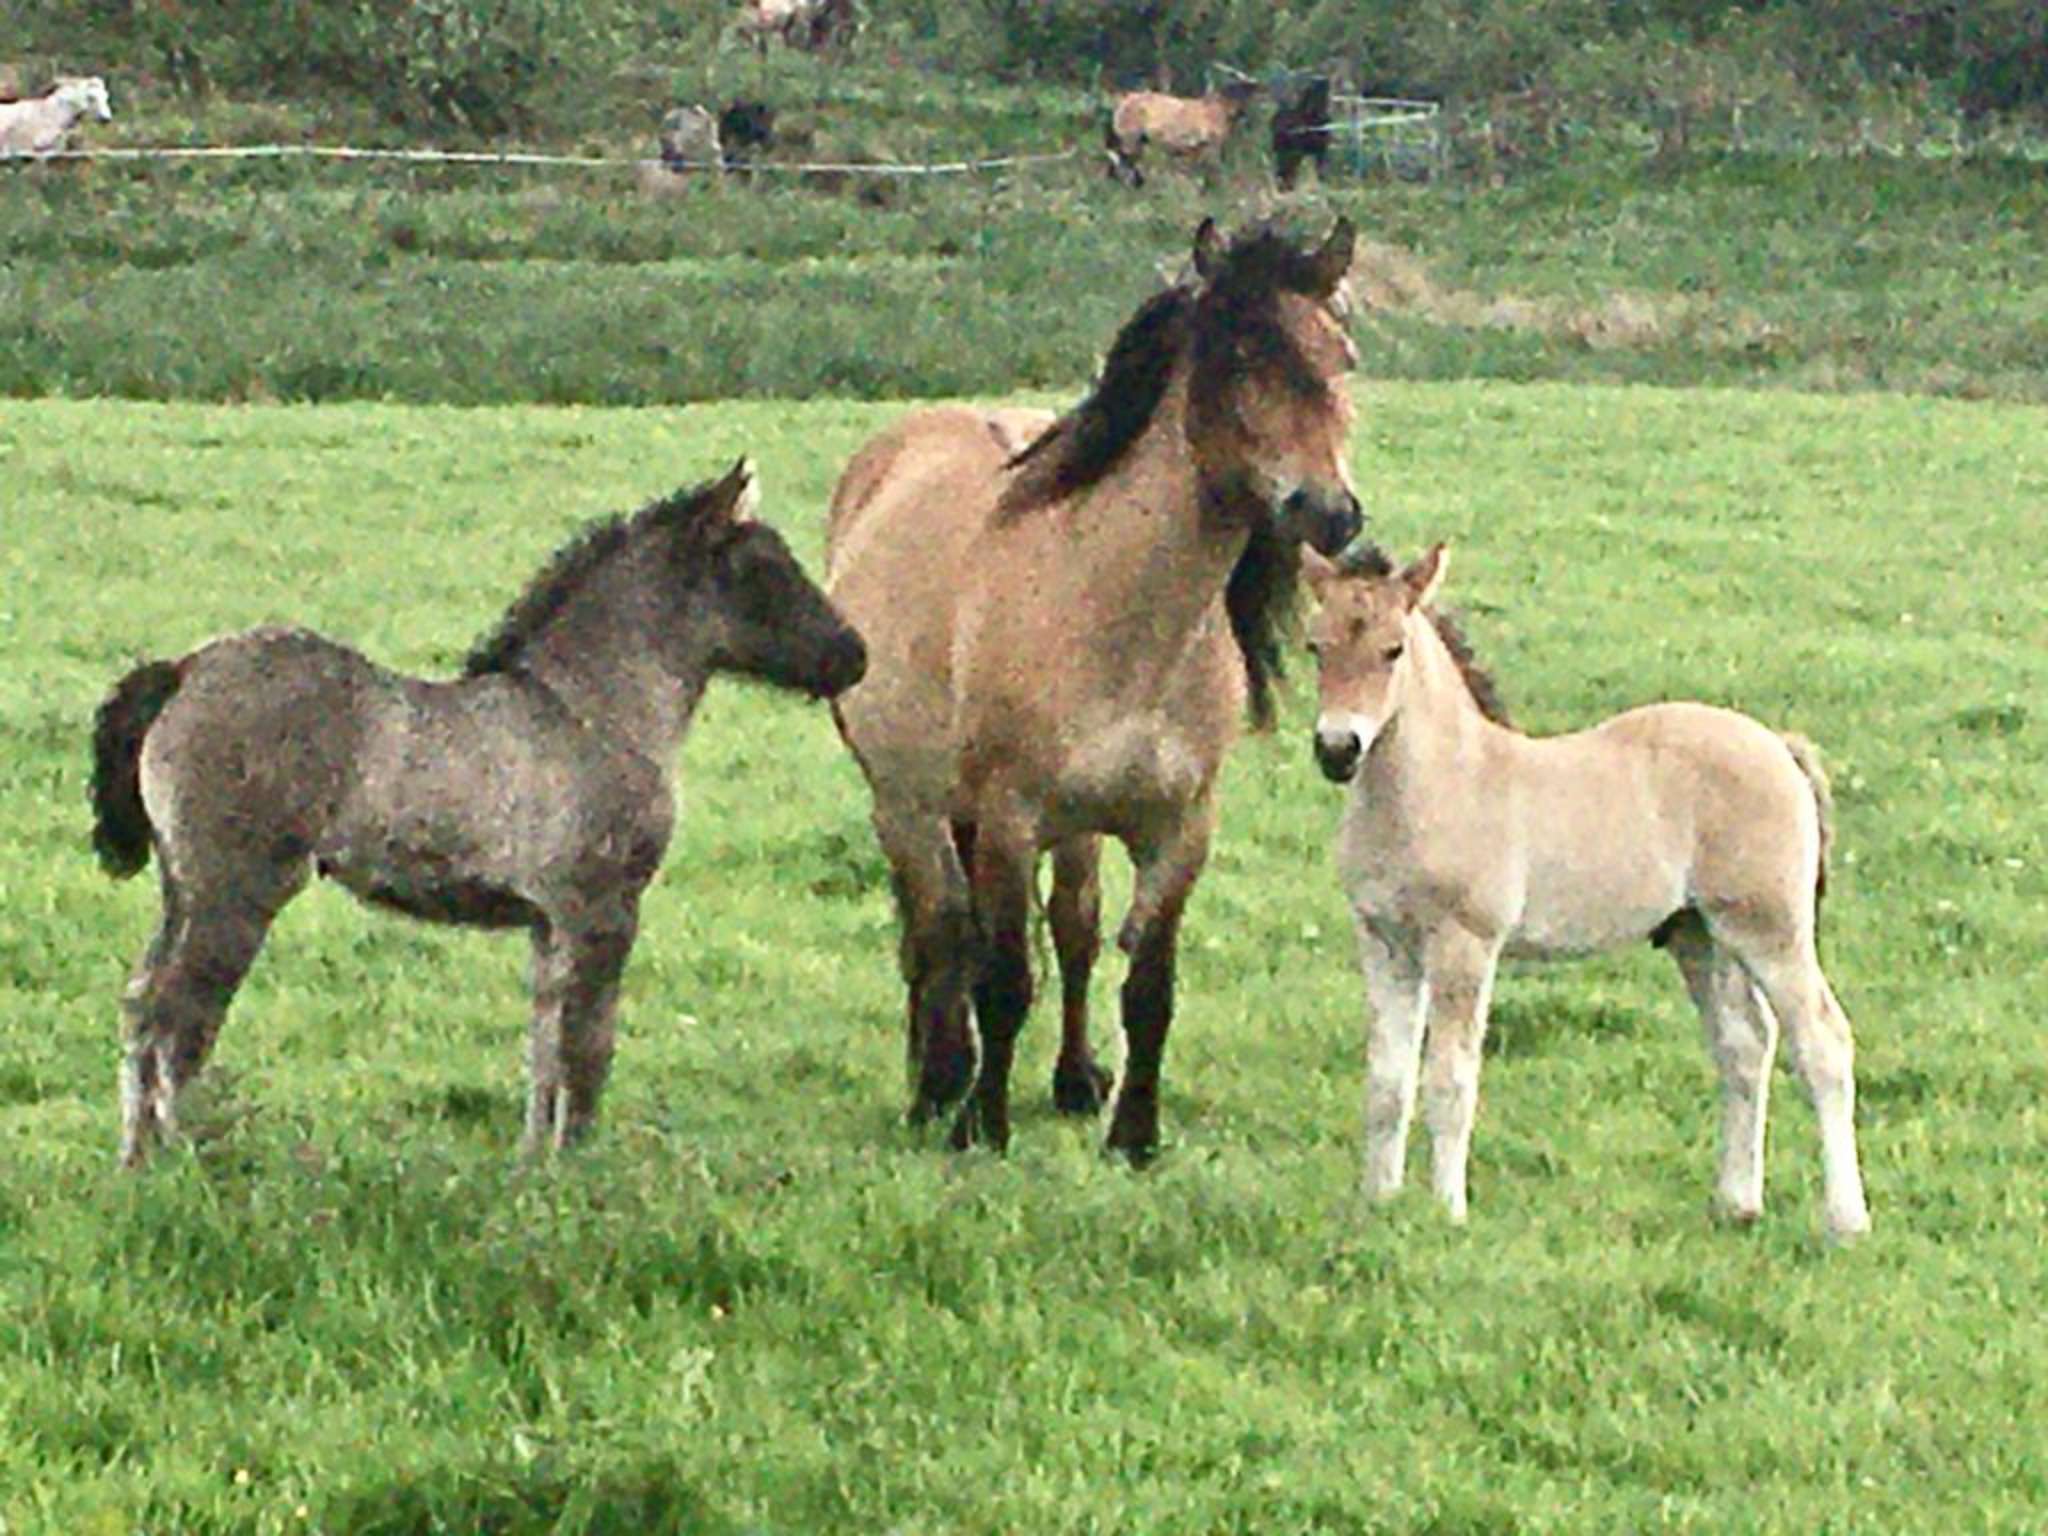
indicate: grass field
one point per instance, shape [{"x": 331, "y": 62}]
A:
[{"x": 757, "y": 1303}]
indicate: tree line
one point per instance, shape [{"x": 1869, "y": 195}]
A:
[{"x": 489, "y": 65}]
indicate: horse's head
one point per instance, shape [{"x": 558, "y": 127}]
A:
[
  {"x": 84, "y": 96},
  {"x": 1269, "y": 411},
  {"x": 768, "y": 619},
  {"x": 1360, "y": 638},
  {"x": 1236, "y": 95}
]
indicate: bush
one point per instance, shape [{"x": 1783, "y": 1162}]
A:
[{"x": 481, "y": 65}]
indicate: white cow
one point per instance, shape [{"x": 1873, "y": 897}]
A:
[{"x": 42, "y": 125}]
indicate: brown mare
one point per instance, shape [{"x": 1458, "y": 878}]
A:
[
  {"x": 1065, "y": 620},
  {"x": 1185, "y": 128}
]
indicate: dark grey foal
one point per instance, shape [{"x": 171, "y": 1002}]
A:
[{"x": 531, "y": 792}]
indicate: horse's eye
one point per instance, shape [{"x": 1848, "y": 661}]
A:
[
  {"x": 1315, "y": 649},
  {"x": 1393, "y": 652}
]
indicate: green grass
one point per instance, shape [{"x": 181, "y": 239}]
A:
[{"x": 758, "y": 1303}]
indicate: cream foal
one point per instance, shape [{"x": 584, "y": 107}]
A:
[{"x": 1462, "y": 839}]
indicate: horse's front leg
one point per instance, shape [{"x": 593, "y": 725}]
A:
[
  {"x": 1458, "y": 968},
  {"x": 1005, "y": 856},
  {"x": 575, "y": 991},
  {"x": 1393, "y": 1055},
  {"x": 1079, "y": 1085},
  {"x": 1167, "y": 868}
]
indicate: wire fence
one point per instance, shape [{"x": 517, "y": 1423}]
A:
[{"x": 882, "y": 168}]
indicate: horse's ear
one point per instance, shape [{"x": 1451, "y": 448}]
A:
[
  {"x": 1426, "y": 575},
  {"x": 1333, "y": 261},
  {"x": 1208, "y": 249},
  {"x": 1317, "y": 569},
  {"x": 738, "y": 495}
]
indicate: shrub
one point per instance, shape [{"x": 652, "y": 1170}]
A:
[{"x": 481, "y": 65}]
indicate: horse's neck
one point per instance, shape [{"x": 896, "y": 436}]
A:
[
  {"x": 1155, "y": 557},
  {"x": 1432, "y": 743},
  {"x": 600, "y": 657}
]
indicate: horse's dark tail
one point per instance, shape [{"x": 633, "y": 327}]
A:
[{"x": 120, "y": 833}]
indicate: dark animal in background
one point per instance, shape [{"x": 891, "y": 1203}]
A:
[
  {"x": 743, "y": 128},
  {"x": 1301, "y": 130},
  {"x": 532, "y": 792}
]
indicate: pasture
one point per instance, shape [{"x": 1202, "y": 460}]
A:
[
  {"x": 500, "y": 287},
  {"x": 757, "y": 1302}
]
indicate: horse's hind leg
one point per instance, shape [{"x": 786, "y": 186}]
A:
[
  {"x": 1004, "y": 864},
  {"x": 1823, "y": 1053},
  {"x": 1079, "y": 1085},
  {"x": 938, "y": 957},
  {"x": 569, "y": 1052},
  {"x": 180, "y": 992},
  {"x": 1742, "y": 1034}
]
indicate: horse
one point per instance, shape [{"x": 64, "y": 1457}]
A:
[
  {"x": 1186, "y": 128},
  {"x": 744, "y": 127},
  {"x": 1301, "y": 131},
  {"x": 1462, "y": 839},
  {"x": 531, "y": 792},
  {"x": 42, "y": 125},
  {"x": 1065, "y": 621}
]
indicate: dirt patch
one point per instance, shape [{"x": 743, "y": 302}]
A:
[{"x": 1395, "y": 280}]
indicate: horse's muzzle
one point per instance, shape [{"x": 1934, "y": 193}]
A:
[
  {"x": 1323, "y": 520},
  {"x": 1337, "y": 754},
  {"x": 846, "y": 665}
]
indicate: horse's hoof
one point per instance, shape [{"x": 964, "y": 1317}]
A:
[
  {"x": 1141, "y": 1152},
  {"x": 974, "y": 1126},
  {"x": 937, "y": 1092},
  {"x": 1081, "y": 1090},
  {"x": 1729, "y": 1215}
]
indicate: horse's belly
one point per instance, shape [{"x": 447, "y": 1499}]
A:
[
  {"x": 1604, "y": 910},
  {"x": 433, "y": 892},
  {"x": 1127, "y": 768},
  {"x": 1184, "y": 141}
]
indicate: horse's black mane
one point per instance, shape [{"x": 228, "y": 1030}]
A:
[
  {"x": 1478, "y": 681},
  {"x": 1368, "y": 559},
  {"x": 1263, "y": 602},
  {"x": 504, "y": 649},
  {"x": 1089, "y": 441}
]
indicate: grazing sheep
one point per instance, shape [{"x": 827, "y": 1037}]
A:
[
  {"x": 689, "y": 140},
  {"x": 814, "y": 26},
  {"x": 42, "y": 125}
]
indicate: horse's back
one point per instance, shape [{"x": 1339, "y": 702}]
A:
[
  {"x": 1744, "y": 801},
  {"x": 1177, "y": 124}
]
